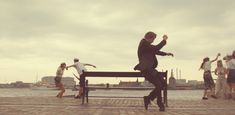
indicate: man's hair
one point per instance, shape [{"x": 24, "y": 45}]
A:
[
  {"x": 150, "y": 35},
  {"x": 76, "y": 60}
]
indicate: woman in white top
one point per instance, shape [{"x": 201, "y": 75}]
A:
[
  {"x": 208, "y": 80},
  {"x": 230, "y": 61},
  {"x": 58, "y": 78},
  {"x": 221, "y": 82}
]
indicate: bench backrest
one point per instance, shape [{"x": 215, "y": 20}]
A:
[{"x": 117, "y": 74}]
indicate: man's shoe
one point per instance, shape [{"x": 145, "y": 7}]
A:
[
  {"x": 162, "y": 109},
  {"x": 205, "y": 98},
  {"x": 77, "y": 97},
  {"x": 213, "y": 96},
  {"x": 146, "y": 102},
  {"x": 229, "y": 96}
]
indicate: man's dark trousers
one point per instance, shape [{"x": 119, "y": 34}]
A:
[{"x": 154, "y": 77}]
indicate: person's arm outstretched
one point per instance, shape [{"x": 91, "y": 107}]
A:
[
  {"x": 216, "y": 57},
  {"x": 164, "y": 53},
  {"x": 85, "y": 64},
  {"x": 70, "y": 66},
  {"x": 147, "y": 47},
  {"x": 161, "y": 44}
]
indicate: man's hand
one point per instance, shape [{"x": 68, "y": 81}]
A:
[
  {"x": 165, "y": 37},
  {"x": 170, "y": 54},
  {"x": 66, "y": 68}
]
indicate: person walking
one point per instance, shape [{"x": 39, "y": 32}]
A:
[
  {"x": 58, "y": 78},
  {"x": 147, "y": 64},
  {"x": 208, "y": 80}
]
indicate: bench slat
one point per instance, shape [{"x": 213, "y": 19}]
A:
[
  {"x": 113, "y": 74},
  {"x": 124, "y": 88}
]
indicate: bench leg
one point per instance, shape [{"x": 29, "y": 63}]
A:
[
  {"x": 83, "y": 95},
  {"x": 165, "y": 96},
  {"x": 165, "y": 91},
  {"x": 82, "y": 98},
  {"x": 87, "y": 90}
]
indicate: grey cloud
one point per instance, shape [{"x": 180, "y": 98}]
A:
[{"x": 108, "y": 32}]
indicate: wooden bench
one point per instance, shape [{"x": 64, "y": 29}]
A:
[{"x": 122, "y": 75}]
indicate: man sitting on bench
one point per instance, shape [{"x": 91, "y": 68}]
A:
[{"x": 147, "y": 64}]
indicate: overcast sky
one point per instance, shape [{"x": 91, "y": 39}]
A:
[{"x": 37, "y": 35}]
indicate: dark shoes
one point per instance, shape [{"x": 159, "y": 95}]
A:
[
  {"x": 146, "y": 102},
  {"x": 162, "y": 109},
  {"x": 77, "y": 97},
  {"x": 213, "y": 96},
  {"x": 205, "y": 98},
  {"x": 229, "y": 96}
]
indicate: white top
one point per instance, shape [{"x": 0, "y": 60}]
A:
[
  {"x": 79, "y": 67},
  {"x": 221, "y": 71},
  {"x": 59, "y": 72},
  {"x": 231, "y": 64},
  {"x": 207, "y": 66}
]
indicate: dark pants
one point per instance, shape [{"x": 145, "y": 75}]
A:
[
  {"x": 82, "y": 80},
  {"x": 155, "y": 77}
]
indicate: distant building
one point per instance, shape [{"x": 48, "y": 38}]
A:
[
  {"x": 200, "y": 85},
  {"x": 192, "y": 82},
  {"x": 20, "y": 84},
  {"x": 67, "y": 81},
  {"x": 129, "y": 84},
  {"x": 182, "y": 84},
  {"x": 48, "y": 80},
  {"x": 181, "y": 81},
  {"x": 5, "y": 86},
  {"x": 146, "y": 83},
  {"x": 172, "y": 81}
]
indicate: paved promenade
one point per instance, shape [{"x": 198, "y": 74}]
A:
[{"x": 70, "y": 106}]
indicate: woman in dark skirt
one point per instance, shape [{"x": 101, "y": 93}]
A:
[
  {"x": 208, "y": 80},
  {"x": 230, "y": 61}
]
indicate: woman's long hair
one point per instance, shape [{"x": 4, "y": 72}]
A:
[
  {"x": 204, "y": 61},
  {"x": 233, "y": 55},
  {"x": 219, "y": 62}
]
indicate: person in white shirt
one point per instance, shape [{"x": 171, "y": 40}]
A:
[
  {"x": 58, "y": 78},
  {"x": 230, "y": 61},
  {"x": 80, "y": 67},
  {"x": 208, "y": 80},
  {"x": 221, "y": 82}
]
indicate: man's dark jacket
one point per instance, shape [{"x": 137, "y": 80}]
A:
[{"x": 147, "y": 55}]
